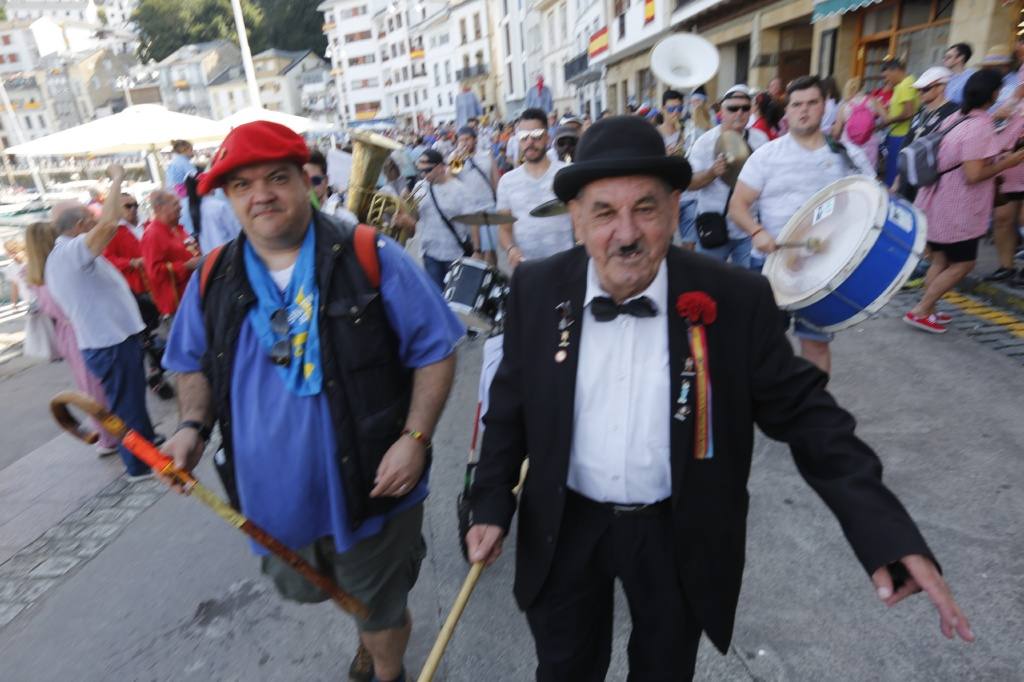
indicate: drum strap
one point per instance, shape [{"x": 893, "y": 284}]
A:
[{"x": 839, "y": 148}]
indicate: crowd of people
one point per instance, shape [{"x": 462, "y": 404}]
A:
[{"x": 326, "y": 359}]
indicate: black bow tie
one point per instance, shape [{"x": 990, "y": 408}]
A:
[{"x": 605, "y": 309}]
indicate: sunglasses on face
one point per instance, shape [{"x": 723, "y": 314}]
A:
[
  {"x": 130, "y": 205},
  {"x": 524, "y": 135},
  {"x": 281, "y": 351},
  {"x": 317, "y": 180},
  {"x": 733, "y": 108},
  {"x": 674, "y": 109}
]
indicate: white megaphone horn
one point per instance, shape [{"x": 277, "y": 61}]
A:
[{"x": 684, "y": 60}]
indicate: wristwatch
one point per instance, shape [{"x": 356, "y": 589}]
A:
[{"x": 204, "y": 430}]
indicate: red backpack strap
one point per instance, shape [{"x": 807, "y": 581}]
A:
[
  {"x": 365, "y": 243},
  {"x": 206, "y": 269}
]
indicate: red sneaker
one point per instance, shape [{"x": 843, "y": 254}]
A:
[
  {"x": 927, "y": 324},
  {"x": 943, "y": 318}
]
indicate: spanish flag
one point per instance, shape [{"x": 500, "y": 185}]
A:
[
  {"x": 416, "y": 54},
  {"x": 598, "y": 43},
  {"x": 648, "y": 11}
]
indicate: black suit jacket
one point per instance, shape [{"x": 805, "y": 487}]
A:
[{"x": 756, "y": 379}]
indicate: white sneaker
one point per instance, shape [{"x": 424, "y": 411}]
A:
[
  {"x": 104, "y": 451},
  {"x": 135, "y": 478}
]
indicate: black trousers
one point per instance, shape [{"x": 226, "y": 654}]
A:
[{"x": 571, "y": 619}]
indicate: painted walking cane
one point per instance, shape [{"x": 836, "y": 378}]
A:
[{"x": 162, "y": 464}]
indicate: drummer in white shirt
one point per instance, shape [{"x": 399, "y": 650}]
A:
[
  {"x": 712, "y": 192},
  {"x": 782, "y": 176}
]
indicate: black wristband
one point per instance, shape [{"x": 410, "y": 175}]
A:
[{"x": 204, "y": 430}]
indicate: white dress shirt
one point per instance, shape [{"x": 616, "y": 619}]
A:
[{"x": 621, "y": 419}]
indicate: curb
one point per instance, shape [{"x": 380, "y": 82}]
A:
[{"x": 1002, "y": 295}]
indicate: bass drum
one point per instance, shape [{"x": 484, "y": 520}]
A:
[
  {"x": 866, "y": 245},
  {"x": 476, "y": 292}
]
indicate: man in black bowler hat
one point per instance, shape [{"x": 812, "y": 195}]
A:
[{"x": 638, "y": 462}]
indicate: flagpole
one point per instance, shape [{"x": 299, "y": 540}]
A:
[{"x": 243, "y": 43}]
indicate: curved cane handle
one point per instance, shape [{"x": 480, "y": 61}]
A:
[{"x": 59, "y": 407}]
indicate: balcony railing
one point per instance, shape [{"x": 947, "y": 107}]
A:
[
  {"x": 471, "y": 72},
  {"x": 577, "y": 65}
]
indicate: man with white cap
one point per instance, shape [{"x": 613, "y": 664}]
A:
[
  {"x": 931, "y": 89},
  {"x": 713, "y": 193}
]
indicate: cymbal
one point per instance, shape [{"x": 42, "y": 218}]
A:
[
  {"x": 549, "y": 208},
  {"x": 484, "y": 218},
  {"x": 734, "y": 148}
]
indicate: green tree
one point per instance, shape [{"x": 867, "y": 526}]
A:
[{"x": 166, "y": 25}]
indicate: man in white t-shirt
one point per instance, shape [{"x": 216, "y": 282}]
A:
[
  {"x": 103, "y": 312},
  {"x": 712, "y": 192},
  {"x": 783, "y": 175},
  {"x": 442, "y": 239},
  {"x": 526, "y": 187}
]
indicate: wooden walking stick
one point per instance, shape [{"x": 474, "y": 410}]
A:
[
  {"x": 448, "y": 629},
  {"x": 162, "y": 464}
]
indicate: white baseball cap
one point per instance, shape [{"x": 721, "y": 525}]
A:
[
  {"x": 738, "y": 90},
  {"x": 933, "y": 75}
]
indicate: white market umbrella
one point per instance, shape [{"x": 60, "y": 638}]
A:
[
  {"x": 138, "y": 128},
  {"x": 299, "y": 124}
]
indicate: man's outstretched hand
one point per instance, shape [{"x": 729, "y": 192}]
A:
[{"x": 925, "y": 576}]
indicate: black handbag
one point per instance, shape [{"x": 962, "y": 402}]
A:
[{"x": 712, "y": 230}]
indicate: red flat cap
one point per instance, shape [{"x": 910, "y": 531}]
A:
[{"x": 250, "y": 143}]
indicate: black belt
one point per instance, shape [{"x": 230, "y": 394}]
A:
[{"x": 653, "y": 509}]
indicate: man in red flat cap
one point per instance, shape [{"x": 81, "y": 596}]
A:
[{"x": 326, "y": 355}]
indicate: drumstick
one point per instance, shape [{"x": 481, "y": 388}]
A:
[
  {"x": 813, "y": 244},
  {"x": 448, "y": 629},
  {"x": 162, "y": 464}
]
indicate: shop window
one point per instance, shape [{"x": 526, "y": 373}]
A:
[
  {"x": 878, "y": 20},
  {"x": 915, "y": 13}
]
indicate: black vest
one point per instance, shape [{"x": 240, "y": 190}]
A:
[{"x": 367, "y": 386}]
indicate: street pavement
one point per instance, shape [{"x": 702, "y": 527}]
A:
[{"x": 128, "y": 582}]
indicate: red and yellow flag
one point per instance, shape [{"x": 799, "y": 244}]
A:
[
  {"x": 598, "y": 43},
  {"x": 648, "y": 11}
]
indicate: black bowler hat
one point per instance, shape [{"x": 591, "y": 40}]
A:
[{"x": 617, "y": 146}]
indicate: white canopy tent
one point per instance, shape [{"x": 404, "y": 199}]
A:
[
  {"x": 138, "y": 128},
  {"x": 299, "y": 124}
]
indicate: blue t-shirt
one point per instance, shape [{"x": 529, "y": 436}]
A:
[{"x": 285, "y": 447}]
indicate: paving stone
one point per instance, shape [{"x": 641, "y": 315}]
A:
[
  {"x": 76, "y": 516},
  {"x": 1012, "y": 342},
  {"x": 139, "y": 501},
  {"x": 100, "y": 531},
  {"x": 23, "y": 591},
  {"x": 20, "y": 564},
  {"x": 8, "y": 612},
  {"x": 54, "y": 567},
  {"x": 64, "y": 530},
  {"x": 106, "y": 515}
]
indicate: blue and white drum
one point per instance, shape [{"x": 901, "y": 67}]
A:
[{"x": 845, "y": 253}]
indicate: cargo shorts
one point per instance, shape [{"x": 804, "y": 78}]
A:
[{"x": 380, "y": 571}]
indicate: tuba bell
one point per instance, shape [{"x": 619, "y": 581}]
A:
[
  {"x": 369, "y": 152},
  {"x": 684, "y": 60}
]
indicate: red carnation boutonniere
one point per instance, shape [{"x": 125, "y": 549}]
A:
[
  {"x": 696, "y": 307},
  {"x": 699, "y": 310}
]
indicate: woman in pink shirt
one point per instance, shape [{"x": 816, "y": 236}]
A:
[
  {"x": 39, "y": 238},
  {"x": 959, "y": 205}
]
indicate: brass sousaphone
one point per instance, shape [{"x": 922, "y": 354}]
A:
[{"x": 369, "y": 152}]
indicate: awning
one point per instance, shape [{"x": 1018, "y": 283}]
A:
[{"x": 830, "y": 8}]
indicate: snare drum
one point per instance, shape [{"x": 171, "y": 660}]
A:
[
  {"x": 476, "y": 292},
  {"x": 866, "y": 245}
]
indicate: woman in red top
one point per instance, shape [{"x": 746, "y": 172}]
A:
[
  {"x": 169, "y": 260},
  {"x": 759, "y": 119}
]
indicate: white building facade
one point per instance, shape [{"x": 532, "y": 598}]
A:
[{"x": 355, "y": 59}]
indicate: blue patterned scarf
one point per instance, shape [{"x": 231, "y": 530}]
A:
[{"x": 303, "y": 375}]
